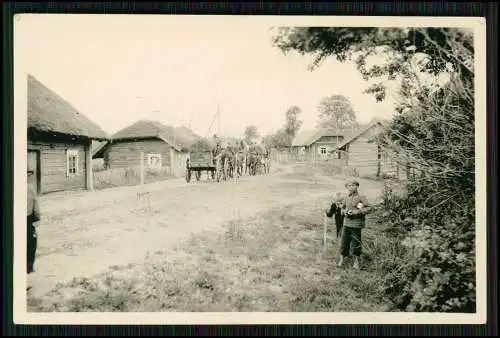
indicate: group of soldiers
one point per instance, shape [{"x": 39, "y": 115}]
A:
[{"x": 237, "y": 160}]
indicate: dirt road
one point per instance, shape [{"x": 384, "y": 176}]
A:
[{"x": 87, "y": 233}]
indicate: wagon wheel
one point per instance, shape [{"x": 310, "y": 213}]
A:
[
  {"x": 198, "y": 175},
  {"x": 188, "y": 175}
]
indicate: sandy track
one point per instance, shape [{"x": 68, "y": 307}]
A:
[{"x": 86, "y": 233}]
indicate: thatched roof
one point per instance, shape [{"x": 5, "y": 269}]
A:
[
  {"x": 180, "y": 138},
  {"x": 48, "y": 112},
  {"x": 187, "y": 135},
  {"x": 302, "y": 138}
]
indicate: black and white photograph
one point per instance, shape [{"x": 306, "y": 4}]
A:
[{"x": 249, "y": 169}]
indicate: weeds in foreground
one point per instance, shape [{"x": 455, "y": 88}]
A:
[{"x": 271, "y": 262}]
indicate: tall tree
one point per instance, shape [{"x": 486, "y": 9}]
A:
[
  {"x": 292, "y": 123},
  {"x": 433, "y": 134},
  {"x": 336, "y": 112},
  {"x": 277, "y": 140},
  {"x": 251, "y": 134},
  {"x": 268, "y": 141}
]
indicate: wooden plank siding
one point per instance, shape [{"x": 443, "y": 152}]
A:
[
  {"x": 124, "y": 154},
  {"x": 363, "y": 153},
  {"x": 53, "y": 165},
  {"x": 329, "y": 142},
  {"x": 366, "y": 156}
]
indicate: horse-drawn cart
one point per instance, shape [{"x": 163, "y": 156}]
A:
[
  {"x": 199, "y": 161},
  {"x": 203, "y": 156}
]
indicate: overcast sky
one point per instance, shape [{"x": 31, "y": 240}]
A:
[{"x": 119, "y": 69}]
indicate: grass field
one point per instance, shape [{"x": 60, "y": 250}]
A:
[{"x": 270, "y": 260}]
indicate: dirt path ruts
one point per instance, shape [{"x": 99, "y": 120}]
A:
[{"x": 86, "y": 234}]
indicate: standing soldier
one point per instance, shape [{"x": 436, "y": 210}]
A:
[{"x": 33, "y": 216}]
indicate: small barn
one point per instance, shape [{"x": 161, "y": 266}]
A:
[
  {"x": 59, "y": 142},
  {"x": 162, "y": 147},
  {"x": 363, "y": 153},
  {"x": 317, "y": 144}
]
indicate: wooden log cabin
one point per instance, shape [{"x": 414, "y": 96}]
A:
[
  {"x": 59, "y": 142},
  {"x": 162, "y": 147},
  {"x": 364, "y": 155},
  {"x": 317, "y": 144}
]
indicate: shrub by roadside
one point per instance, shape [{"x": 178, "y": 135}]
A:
[{"x": 435, "y": 268}]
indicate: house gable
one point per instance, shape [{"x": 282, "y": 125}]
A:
[{"x": 370, "y": 131}]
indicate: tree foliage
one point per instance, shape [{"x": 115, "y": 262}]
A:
[
  {"x": 280, "y": 139},
  {"x": 396, "y": 45},
  {"x": 433, "y": 136},
  {"x": 292, "y": 124},
  {"x": 336, "y": 112},
  {"x": 251, "y": 134}
]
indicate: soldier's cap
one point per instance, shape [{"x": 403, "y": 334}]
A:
[{"x": 351, "y": 181}]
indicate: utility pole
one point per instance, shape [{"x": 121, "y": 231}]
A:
[
  {"x": 218, "y": 116},
  {"x": 191, "y": 120}
]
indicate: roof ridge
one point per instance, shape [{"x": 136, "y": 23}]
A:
[{"x": 49, "y": 112}]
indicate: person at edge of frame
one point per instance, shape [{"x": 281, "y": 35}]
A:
[{"x": 33, "y": 216}]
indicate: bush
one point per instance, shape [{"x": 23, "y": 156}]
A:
[{"x": 435, "y": 271}]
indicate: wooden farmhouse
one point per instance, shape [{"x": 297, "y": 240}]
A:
[
  {"x": 162, "y": 147},
  {"x": 59, "y": 142},
  {"x": 316, "y": 144},
  {"x": 363, "y": 153}
]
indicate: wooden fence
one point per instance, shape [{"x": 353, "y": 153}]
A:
[
  {"x": 133, "y": 175},
  {"x": 364, "y": 165},
  {"x": 293, "y": 157},
  {"x": 335, "y": 165}
]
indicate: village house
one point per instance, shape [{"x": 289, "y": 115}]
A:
[
  {"x": 316, "y": 144},
  {"x": 162, "y": 147},
  {"x": 363, "y": 153},
  {"x": 59, "y": 142}
]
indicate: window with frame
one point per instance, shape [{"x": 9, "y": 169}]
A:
[
  {"x": 322, "y": 150},
  {"x": 154, "y": 161},
  {"x": 72, "y": 160}
]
